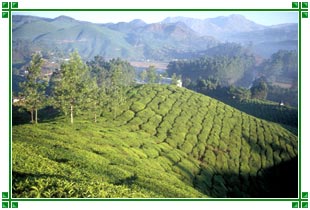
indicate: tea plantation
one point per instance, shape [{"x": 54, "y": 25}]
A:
[{"x": 166, "y": 142}]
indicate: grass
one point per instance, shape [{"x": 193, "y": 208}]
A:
[{"x": 171, "y": 142}]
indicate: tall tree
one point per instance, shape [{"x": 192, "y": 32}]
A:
[
  {"x": 117, "y": 92},
  {"x": 70, "y": 89},
  {"x": 33, "y": 89},
  {"x": 175, "y": 80},
  {"x": 143, "y": 75},
  {"x": 151, "y": 74},
  {"x": 259, "y": 88},
  {"x": 112, "y": 79}
]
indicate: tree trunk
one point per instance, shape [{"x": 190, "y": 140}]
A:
[
  {"x": 71, "y": 110},
  {"x": 31, "y": 113},
  {"x": 95, "y": 113},
  {"x": 36, "y": 116}
]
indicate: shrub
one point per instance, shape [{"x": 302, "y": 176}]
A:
[
  {"x": 221, "y": 162},
  {"x": 149, "y": 128},
  {"x": 145, "y": 114},
  {"x": 233, "y": 166},
  {"x": 276, "y": 157},
  {"x": 187, "y": 147},
  {"x": 117, "y": 174},
  {"x": 127, "y": 115},
  {"x": 255, "y": 161},
  {"x": 290, "y": 151},
  {"x": 222, "y": 145},
  {"x": 150, "y": 152},
  {"x": 192, "y": 139},
  {"x": 210, "y": 157},
  {"x": 137, "y": 106},
  {"x": 172, "y": 142}
]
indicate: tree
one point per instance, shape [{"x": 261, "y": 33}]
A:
[
  {"x": 187, "y": 82},
  {"x": 70, "y": 90},
  {"x": 143, "y": 75},
  {"x": 175, "y": 79},
  {"x": 151, "y": 74},
  {"x": 201, "y": 84},
  {"x": 239, "y": 93},
  {"x": 33, "y": 89},
  {"x": 112, "y": 77},
  {"x": 259, "y": 88},
  {"x": 96, "y": 98},
  {"x": 117, "y": 92}
]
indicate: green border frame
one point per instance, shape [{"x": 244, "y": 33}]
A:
[{"x": 300, "y": 202}]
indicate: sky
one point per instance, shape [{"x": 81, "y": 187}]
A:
[{"x": 264, "y": 18}]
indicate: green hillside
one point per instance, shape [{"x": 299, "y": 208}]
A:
[
  {"x": 165, "y": 142},
  {"x": 139, "y": 42}
]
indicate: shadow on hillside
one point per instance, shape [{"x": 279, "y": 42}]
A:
[
  {"x": 271, "y": 112},
  {"x": 20, "y": 117},
  {"x": 280, "y": 181}
]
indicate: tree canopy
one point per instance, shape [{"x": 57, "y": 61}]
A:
[
  {"x": 32, "y": 95},
  {"x": 70, "y": 88}
]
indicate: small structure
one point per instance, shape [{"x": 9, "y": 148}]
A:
[
  {"x": 18, "y": 100},
  {"x": 168, "y": 81},
  {"x": 179, "y": 83}
]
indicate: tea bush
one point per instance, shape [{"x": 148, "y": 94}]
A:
[{"x": 165, "y": 141}]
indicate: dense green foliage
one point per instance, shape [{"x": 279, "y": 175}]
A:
[
  {"x": 281, "y": 67},
  {"x": 71, "y": 86},
  {"x": 288, "y": 95},
  {"x": 259, "y": 89},
  {"x": 227, "y": 69},
  {"x": 78, "y": 87},
  {"x": 165, "y": 141},
  {"x": 32, "y": 95},
  {"x": 230, "y": 64}
]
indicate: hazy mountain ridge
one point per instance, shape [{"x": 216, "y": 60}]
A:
[
  {"x": 265, "y": 40},
  {"x": 174, "y": 37},
  {"x": 217, "y": 26}
]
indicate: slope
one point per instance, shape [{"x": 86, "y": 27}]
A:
[
  {"x": 134, "y": 40},
  {"x": 166, "y": 142}
]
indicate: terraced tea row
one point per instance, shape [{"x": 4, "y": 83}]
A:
[
  {"x": 213, "y": 133},
  {"x": 165, "y": 142}
]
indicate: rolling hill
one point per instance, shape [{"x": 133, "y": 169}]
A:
[
  {"x": 134, "y": 40},
  {"x": 165, "y": 142},
  {"x": 172, "y": 38}
]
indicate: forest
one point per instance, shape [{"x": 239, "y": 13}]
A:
[
  {"x": 274, "y": 79},
  {"x": 76, "y": 86}
]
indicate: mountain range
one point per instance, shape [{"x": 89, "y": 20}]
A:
[{"x": 172, "y": 38}]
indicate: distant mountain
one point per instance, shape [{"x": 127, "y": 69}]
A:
[
  {"x": 219, "y": 25},
  {"x": 172, "y": 38},
  {"x": 265, "y": 40},
  {"x": 126, "y": 27},
  {"x": 19, "y": 20},
  {"x": 135, "y": 40},
  {"x": 277, "y": 33},
  {"x": 269, "y": 40}
]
